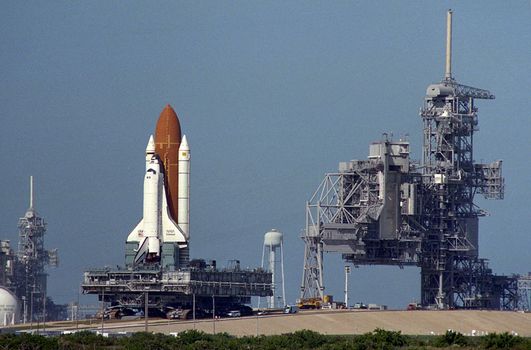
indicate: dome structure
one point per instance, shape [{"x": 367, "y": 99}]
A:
[{"x": 8, "y": 307}]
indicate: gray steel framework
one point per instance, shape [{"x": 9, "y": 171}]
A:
[
  {"x": 7, "y": 264},
  {"x": 524, "y": 292},
  {"x": 29, "y": 282},
  {"x": 450, "y": 181},
  {"x": 388, "y": 210},
  {"x": 127, "y": 286}
]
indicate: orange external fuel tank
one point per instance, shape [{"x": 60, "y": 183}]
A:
[{"x": 167, "y": 142}]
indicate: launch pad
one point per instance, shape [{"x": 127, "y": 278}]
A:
[{"x": 389, "y": 210}]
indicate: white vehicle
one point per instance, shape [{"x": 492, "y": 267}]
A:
[
  {"x": 234, "y": 313},
  {"x": 291, "y": 309}
]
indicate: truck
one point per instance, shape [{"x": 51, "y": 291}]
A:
[
  {"x": 291, "y": 309},
  {"x": 309, "y": 303},
  {"x": 414, "y": 306}
]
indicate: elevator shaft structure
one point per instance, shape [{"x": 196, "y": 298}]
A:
[
  {"x": 388, "y": 210},
  {"x": 451, "y": 179}
]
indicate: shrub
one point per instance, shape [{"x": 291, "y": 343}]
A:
[
  {"x": 28, "y": 341},
  {"x": 451, "y": 338},
  {"x": 84, "y": 338},
  {"x": 307, "y": 339},
  {"x": 191, "y": 336},
  {"x": 390, "y": 337},
  {"x": 148, "y": 341},
  {"x": 501, "y": 341},
  {"x": 380, "y": 339}
]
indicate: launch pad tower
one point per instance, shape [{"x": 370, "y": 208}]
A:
[
  {"x": 451, "y": 272},
  {"x": 30, "y": 279},
  {"x": 388, "y": 210}
]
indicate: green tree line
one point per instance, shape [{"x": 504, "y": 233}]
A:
[{"x": 304, "y": 339}]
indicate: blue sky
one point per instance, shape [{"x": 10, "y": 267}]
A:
[{"x": 271, "y": 95}]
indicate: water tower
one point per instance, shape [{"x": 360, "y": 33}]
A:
[{"x": 273, "y": 244}]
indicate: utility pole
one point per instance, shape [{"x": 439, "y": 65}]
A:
[
  {"x": 193, "y": 308},
  {"x": 145, "y": 311},
  {"x": 77, "y": 310},
  {"x": 102, "y": 308},
  {"x": 31, "y": 312},
  {"x": 44, "y": 312},
  {"x": 257, "y": 316},
  {"x": 213, "y": 314},
  {"x": 347, "y": 272},
  {"x": 25, "y": 308}
]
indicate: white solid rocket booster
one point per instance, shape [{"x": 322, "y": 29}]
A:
[{"x": 183, "y": 220}]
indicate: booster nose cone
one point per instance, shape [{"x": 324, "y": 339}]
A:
[
  {"x": 150, "y": 148},
  {"x": 184, "y": 144}
]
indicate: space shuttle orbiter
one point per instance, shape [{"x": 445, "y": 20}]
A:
[{"x": 157, "y": 226}]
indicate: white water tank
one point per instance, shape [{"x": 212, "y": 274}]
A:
[
  {"x": 273, "y": 238},
  {"x": 8, "y": 307}
]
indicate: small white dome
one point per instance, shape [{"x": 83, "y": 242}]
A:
[
  {"x": 273, "y": 238},
  {"x": 8, "y": 307}
]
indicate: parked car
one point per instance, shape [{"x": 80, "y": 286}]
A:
[{"x": 234, "y": 313}]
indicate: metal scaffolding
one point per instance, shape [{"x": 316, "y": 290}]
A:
[
  {"x": 187, "y": 288},
  {"x": 387, "y": 210},
  {"x": 30, "y": 277},
  {"x": 451, "y": 179},
  {"x": 524, "y": 292}
]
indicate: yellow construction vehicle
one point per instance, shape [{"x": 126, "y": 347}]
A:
[{"x": 309, "y": 303}]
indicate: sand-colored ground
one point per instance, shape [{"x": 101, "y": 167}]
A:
[{"x": 350, "y": 322}]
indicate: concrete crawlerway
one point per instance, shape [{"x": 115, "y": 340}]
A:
[{"x": 343, "y": 322}]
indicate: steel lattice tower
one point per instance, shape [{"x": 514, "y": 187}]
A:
[
  {"x": 451, "y": 179},
  {"x": 32, "y": 258},
  {"x": 524, "y": 292}
]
